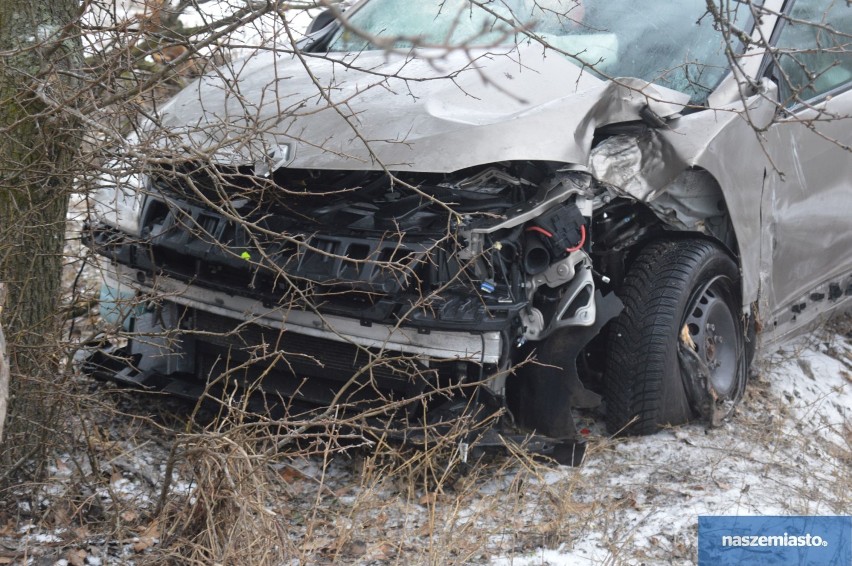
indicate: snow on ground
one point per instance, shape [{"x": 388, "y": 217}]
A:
[{"x": 787, "y": 451}]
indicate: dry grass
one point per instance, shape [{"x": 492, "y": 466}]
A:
[{"x": 233, "y": 499}]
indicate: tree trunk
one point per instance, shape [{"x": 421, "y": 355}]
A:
[
  {"x": 38, "y": 143},
  {"x": 4, "y": 367}
]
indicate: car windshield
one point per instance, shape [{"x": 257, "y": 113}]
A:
[{"x": 674, "y": 45}]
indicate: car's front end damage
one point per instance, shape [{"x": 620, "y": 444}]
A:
[
  {"x": 360, "y": 292},
  {"x": 449, "y": 248}
]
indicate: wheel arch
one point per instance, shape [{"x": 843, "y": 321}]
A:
[{"x": 693, "y": 205}]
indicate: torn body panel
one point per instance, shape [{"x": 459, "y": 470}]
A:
[{"x": 699, "y": 174}]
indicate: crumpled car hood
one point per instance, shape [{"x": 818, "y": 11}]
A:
[{"x": 438, "y": 112}]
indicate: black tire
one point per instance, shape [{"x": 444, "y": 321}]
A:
[{"x": 673, "y": 284}]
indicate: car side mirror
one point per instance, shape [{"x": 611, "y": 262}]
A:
[
  {"x": 763, "y": 107},
  {"x": 774, "y": 75},
  {"x": 323, "y": 19}
]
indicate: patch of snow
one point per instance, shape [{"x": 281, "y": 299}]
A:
[
  {"x": 44, "y": 538},
  {"x": 782, "y": 454}
]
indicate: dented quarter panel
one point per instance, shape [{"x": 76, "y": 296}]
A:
[
  {"x": 734, "y": 155},
  {"x": 720, "y": 141}
]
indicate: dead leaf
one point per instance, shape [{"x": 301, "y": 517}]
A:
[
  {"x": 61, "y": 516},
  {"x": 153, "y": 530},
  {"x": 129, "y": 516},
  {"x": 8, "y": 529},
  {"x": 686, "y": 337},
  {"x": 629, "y": 500},
  {"x": 317, "y": 543},
  {"x": 429, "y": 498},
  {"x": 76, "y": 557},
  {"x": 148, "y": 537},
  {"x": 385, "y": 551},
  {"x": 142, "y": 544},
  {"x": 290, "y": 474}
]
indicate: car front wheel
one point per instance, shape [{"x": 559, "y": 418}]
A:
[{"x": 676, "y": 351}]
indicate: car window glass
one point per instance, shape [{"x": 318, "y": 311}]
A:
[
  {"x": 814, "y": 49},
  {"x": 680, "y": 48}
]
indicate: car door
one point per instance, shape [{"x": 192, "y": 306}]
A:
[{"x": 807, "y": 204}]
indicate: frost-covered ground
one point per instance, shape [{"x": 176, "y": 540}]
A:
[{"x": 788, "y": 450}]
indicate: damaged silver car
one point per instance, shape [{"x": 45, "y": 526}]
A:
[{"x": 434, "y": 208}]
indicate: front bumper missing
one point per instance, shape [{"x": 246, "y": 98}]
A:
[
  {"x": 159, "y": 368},
  {"x": 484, "y": 348}
]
